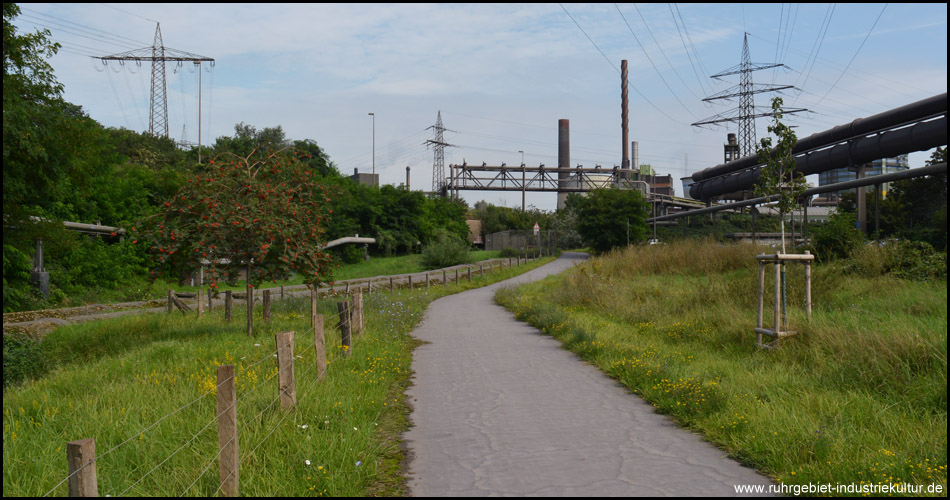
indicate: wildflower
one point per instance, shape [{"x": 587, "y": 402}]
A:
[
  {"x": 358, "y": 463},
  {"x": 306, "y": 462}
]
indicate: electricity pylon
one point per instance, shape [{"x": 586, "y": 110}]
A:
[
  {"x": 438, "y": 164},
  {"x": 745, "y": 91},
  {"x": 158, "y": 54}
]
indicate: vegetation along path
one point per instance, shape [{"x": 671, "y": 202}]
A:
[{"x": 500, "y": 409}]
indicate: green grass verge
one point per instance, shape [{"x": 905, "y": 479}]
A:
[
  {"x": 859, "y": 396},
  {"x": 376, "y": 266},
  {"x": 116, "y": 381}
]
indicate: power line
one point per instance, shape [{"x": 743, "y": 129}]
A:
[
  {"x": 822, "y": 31},
  {"x": 614, "y": 66},
  {"x": 77, "y": 32},
  {"x": 855, "y": 54},
  {"x": 617, "y": 70},
  {"x": 642, "y": 48},
  {"x": 690, "y": 40}
]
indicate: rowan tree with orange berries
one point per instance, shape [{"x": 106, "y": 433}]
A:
[{"x": 264, "y": 214}]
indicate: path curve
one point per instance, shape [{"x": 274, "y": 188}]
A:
[{"x": 501, "y": 409}]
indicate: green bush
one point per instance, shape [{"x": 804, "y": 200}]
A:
[
  {"x": 447, "y": 250},
  {"x": 17, "y": 290},
  {"x": 510, "y": 252},
  {"x": 837, "y": 238},
  {"x": 23, "y": 359},
  {"x": 911, "y": 260}
]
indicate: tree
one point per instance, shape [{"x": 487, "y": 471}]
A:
[
  {"x": 604, "y": 214},
  {"x": 778, "y": 178},
  {"x": 916, "y": 209},
  {"x": 267, "y": 215}
]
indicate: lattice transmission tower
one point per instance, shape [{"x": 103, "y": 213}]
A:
[
  {"x": 158, "y": 55},
  {"x": 438, "y": 163},
  {"x": 745, "y": 114}
]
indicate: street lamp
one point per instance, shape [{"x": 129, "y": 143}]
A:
[
  {"x": 374, "y": 146},
  {"x": 522, "y": 180}
]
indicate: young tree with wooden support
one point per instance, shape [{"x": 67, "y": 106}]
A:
[{"x": 783, "y": 185}]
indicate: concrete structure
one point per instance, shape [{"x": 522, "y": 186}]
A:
[
  {"x": 687, "y": 182},
  {"x": 474, "y": 231},
  {"x": 365, "y": 179}
]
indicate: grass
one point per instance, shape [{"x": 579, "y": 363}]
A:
[
  {"x": 143, "y": 289},
  {"x": 859, "y": 396},
  {"x": 376, "y": 266},
  {"x": 144, "y": 386}
]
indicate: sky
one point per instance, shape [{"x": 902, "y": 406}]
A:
[{"x": 501, "y": 75}]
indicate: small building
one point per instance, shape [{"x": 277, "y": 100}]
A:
[
  {"x": 475, "y": 231},
  {"x": 365, "y": 179}
]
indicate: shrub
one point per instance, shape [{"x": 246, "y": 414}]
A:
[
  {"x": 447, "y": 250},
  {"x": 17, "y": 290},
  {"x": 23, "y": 359},
  {"x": 911, "y": 260},
  {"x": 837, "y": 238},
  {"x": 510, "y": 252}
]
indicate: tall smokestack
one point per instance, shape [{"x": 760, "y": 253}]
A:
[
  {"x": 407, "y": 178},
  {"x": 625, "y": 162},
  {"x": 563, "y": 159},
  {"x": 636, "y": 155}
]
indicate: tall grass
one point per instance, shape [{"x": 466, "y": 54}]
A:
[
  {"x": 860, "y": 394},
  {"x": 143, "y": 388}
]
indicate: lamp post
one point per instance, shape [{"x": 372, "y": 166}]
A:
[
  {"x": 374, "y": 146},
  {"x": 522, "y": 180}
]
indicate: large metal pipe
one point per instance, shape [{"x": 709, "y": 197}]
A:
[
  {"x": 919, "y": 137},
  {"x": 892, "y": 118},
  {"x": 625, "y": 160},
  {"x": 563, "y": 159},
  {"x": 940, "y": 168}
]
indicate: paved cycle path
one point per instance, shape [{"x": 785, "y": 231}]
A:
[{"x": 500, "y": 409}]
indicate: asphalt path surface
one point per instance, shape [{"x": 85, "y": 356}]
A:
[{"x": 500, "y": 409}]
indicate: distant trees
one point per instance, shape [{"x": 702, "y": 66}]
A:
[
  {"x": 916, "y": 209},
  {"x": 603, "y": 217}
]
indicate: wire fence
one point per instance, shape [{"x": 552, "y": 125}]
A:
[
  {"x": 88, "y": 467},
  {"x": 350, "y": 324}
]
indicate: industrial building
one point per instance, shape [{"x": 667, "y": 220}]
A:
[{"x": 876, "y": 167}]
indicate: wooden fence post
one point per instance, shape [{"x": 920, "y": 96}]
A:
[
  {"x": 444, "y": 282},
  {"x": 285, "y": 370},
  {"x": 228, "y": 305},
  {"x": 392, "y": 287},
  {"x": 267, "y": 305},
  {"x": 319, "y": 344},
  {"x": 456, "y": 276},
  {"x": 344, "y": 310},
  {"x": 347, "y": 290},
  {"x": 469, "y": 274},
  {"x": 227, "y": 432},
  {"x": 198, "y": 303},
  {"x": 357, "y": 313},
  {"x": 427, "y": 280},
  {"x": 281, "y": 292},
  {"x": 168, "y": 306},
  {"x": 250, "y": 309},
  {"x": 81, "y": 457},
  {"x": 808, "y": 285},
  {"x": 410, "y": 282},
  {"x": 210, "y": 305}
]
